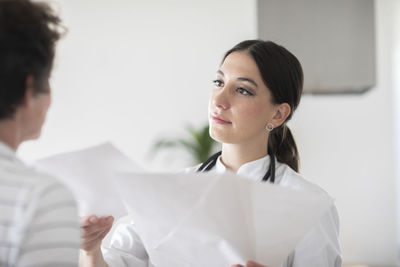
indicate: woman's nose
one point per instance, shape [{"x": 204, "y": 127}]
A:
[{"x": 220, "y": 98}]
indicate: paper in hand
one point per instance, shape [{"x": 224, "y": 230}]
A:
[
  {"x": 217, "y": 220},
  {"x": 89, "y": 175}
]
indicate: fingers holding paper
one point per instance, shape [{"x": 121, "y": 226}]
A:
[
  {"x": 249, "y": 264},
  {"x": 93, "y": 230}
]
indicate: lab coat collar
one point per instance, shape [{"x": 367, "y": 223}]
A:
[{"x": 254, "y": 170}]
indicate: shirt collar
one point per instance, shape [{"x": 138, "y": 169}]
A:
[{"x": 254, "y": 170}]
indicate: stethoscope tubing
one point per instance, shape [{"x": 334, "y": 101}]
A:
[{"x": 211, "y": 161}]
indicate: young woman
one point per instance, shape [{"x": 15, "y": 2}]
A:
[{"x": 257, "y": 88}]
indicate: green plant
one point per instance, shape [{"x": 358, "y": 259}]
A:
[{"x": 199, "y": 144}]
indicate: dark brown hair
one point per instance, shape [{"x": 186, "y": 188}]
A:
[
  {"x": 282, "y": 74},
  {"x": 28, "y": 33}
]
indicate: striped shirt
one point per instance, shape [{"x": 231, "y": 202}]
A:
[{"x": 38, "y": 217}]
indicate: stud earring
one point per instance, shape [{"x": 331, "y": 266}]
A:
[{"x": 269, "y": 127}]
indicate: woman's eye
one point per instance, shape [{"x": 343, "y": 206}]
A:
[
  {"x": 243, "y": 91},
  {"x": 218, "y": 83}
]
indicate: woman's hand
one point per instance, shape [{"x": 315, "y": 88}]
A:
[
  {"x": 93, "y": 230},
  {"x": 249, "y": 264}
]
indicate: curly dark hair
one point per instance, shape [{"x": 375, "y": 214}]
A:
[{"x": 28, "y": 34}]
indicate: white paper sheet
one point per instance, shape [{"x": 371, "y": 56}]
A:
[
  {"x": 217, "y": 220},
  {"x": 89, "y": 175}
]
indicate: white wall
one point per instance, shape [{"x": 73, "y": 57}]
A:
[
  {"x": 132, "y": 71},
  {"x": 396, "y": 87},
  {"x": 347, "y": 146}
]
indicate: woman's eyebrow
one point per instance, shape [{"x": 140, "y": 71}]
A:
[
  {"x": 248, "y": 80},
  {"x": 220, "y": 72}
]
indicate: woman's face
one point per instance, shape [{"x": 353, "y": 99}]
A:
[{"x": 240, "y": 104}]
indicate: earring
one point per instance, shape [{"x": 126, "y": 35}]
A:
[{"x": 269, "y": 126}]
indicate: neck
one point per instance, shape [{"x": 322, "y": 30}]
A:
[
  {"x": 235, "y": 155},
  {"x": 9, "y": 133}
]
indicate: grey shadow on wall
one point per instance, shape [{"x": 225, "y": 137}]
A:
[{"x": 333, "y": 39}]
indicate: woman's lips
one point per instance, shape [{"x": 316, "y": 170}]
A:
[{"x": 219, "y": 120}]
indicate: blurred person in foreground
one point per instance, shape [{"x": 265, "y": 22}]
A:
[{"x": 38, "y": 215}]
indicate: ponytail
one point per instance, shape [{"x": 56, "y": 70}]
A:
[{"x": 283, "y": 146}]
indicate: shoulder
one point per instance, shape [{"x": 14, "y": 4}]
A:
[
  {"x": 35, "y": 190},
  {"x": 49, "y": 187},
  {"x": 286, "y": 176},
  {"x": 28, "y": 179}
]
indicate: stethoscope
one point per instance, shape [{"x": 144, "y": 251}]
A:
[{"x": 211, "y": 161}]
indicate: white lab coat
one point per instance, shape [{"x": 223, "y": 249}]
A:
[{"x": 318, "y": 248}]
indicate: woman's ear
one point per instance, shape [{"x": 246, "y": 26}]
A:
[{"x": 281, "y": 113}]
